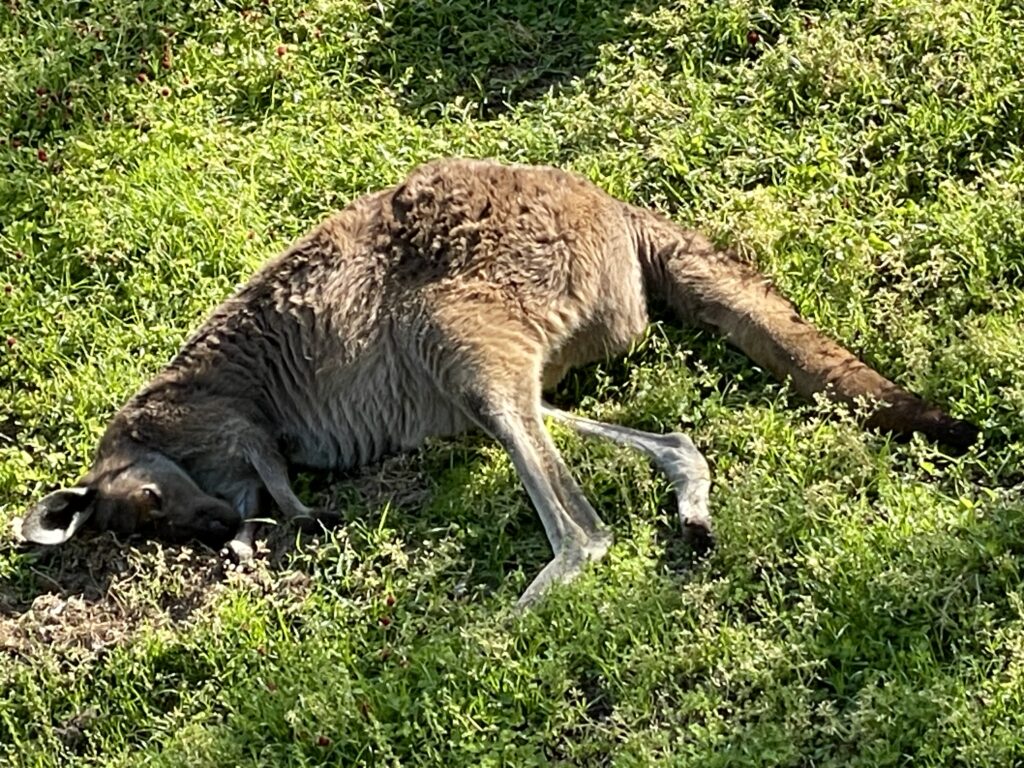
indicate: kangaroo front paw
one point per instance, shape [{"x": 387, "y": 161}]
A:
[{"x": 237, "y": 552}]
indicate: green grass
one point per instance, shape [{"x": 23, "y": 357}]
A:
[{"x": 864, "y": 605}]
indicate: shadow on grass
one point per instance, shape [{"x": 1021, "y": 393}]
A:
[
  {"x": 95, "y": 590},
  {"x": 490, "y": 56}
]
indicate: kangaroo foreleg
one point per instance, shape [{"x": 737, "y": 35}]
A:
[
  {"x": 674, "y": 454},
  {"x": 273, "y": 472},
  {"x": 241, "y": 548}
]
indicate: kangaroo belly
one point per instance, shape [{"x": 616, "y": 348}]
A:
[{"x": 366, "y": 411}]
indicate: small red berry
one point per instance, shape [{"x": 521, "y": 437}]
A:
[
  {"x": 281, "y": 50},
  {"x": 753, "y": 38},
  {"x": 165, "y": 91},
  {"x": 389, "y": 600},
  {"x": 8, "y": 288},
  {"x": 323, "y": 741},
  {"x": 385, "y": 621},
  {"x": 41, "y": 154},
  {"x": 41, "y": 91},
  {"x": 11, "y": 342},
  {"x": 142, "y": 77}
]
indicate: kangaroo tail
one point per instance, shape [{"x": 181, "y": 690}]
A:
[{"x": 710, "y": 287}]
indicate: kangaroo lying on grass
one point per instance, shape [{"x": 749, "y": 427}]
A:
[{"x": 447, "y": 302}]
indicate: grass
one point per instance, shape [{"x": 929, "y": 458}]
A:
[{"x": 864, "y": 605}]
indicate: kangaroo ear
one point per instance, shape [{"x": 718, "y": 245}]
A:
[{"x": 58, "y": 515}]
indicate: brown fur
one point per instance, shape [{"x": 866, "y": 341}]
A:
[{"x": 443, "y": 303}]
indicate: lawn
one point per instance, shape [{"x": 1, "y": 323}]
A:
[{"x": 864, "y": 605}]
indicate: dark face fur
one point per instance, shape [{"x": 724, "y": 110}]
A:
[{"x": 146, "y": 494}]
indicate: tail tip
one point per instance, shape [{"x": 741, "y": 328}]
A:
[{"x": 957, "y": 434}]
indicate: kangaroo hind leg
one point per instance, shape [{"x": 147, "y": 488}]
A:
[
  {"x": 675, "y": 455},
  {"x": 573, "y": 528}
]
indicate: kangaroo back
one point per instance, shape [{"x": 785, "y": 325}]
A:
[{"x": 712, "y": 288}]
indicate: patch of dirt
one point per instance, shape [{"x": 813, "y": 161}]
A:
[
  {"x": 91, "y": 594},
  {"x": 85, "y": 596},
  {"x": 399, "y": 480}
]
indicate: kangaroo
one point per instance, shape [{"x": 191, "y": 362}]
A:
[{"x": 448, "y": 302}]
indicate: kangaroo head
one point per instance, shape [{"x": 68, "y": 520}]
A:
[{"x": 144, "y": 493}]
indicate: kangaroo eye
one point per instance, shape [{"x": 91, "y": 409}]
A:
[{"x": 151, "y": 497}]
